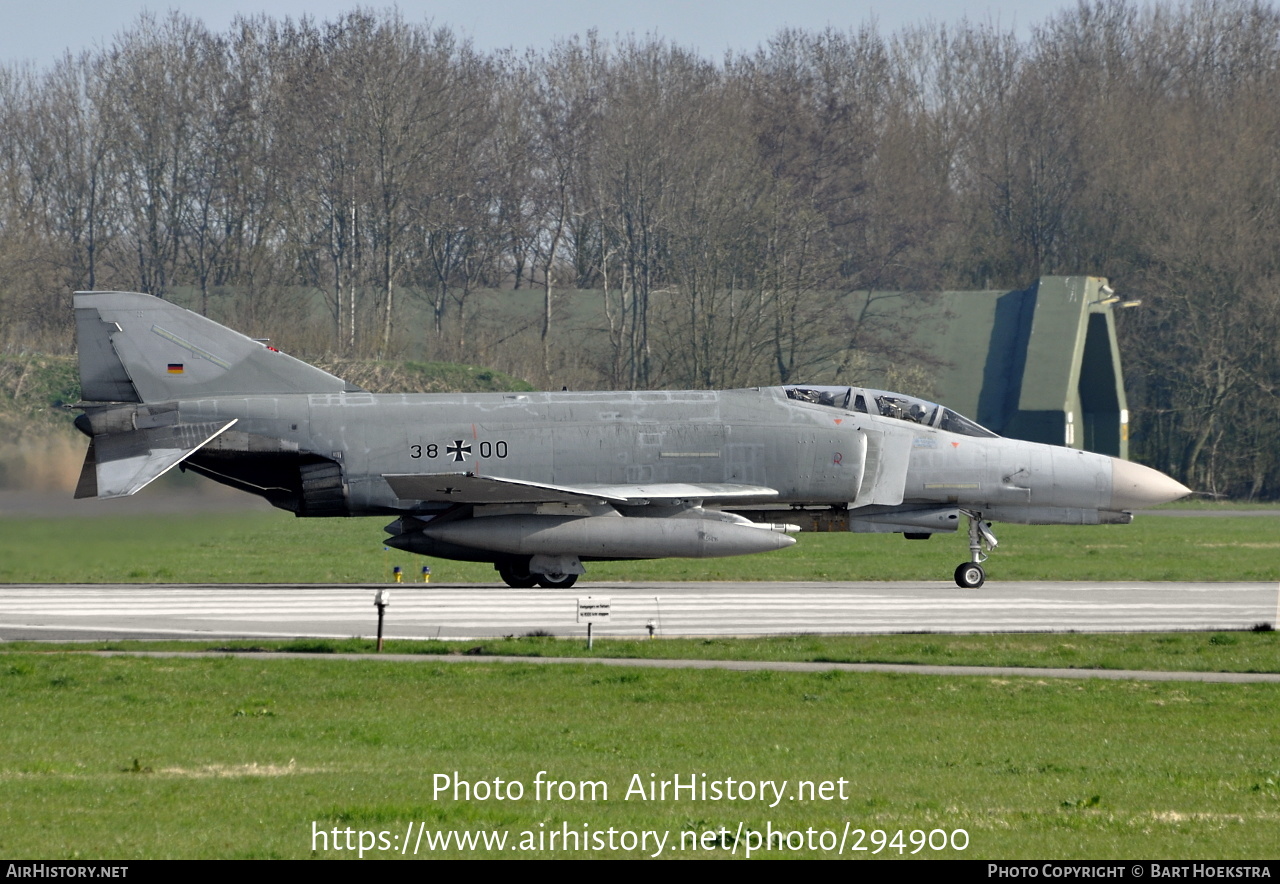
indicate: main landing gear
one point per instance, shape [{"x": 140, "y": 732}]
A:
[
  {"x": 970, "y": 575},
  {"x": 517, "y": 574}
]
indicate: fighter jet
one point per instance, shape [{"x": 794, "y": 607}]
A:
[{"x": 540, "y": 483}]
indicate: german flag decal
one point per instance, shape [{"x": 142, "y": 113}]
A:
[{"x": 175, "y": 368}]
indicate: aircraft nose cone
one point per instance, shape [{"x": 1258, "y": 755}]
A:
[{"x": 1134, "y": 486}]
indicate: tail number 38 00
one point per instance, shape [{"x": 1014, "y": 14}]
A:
[{"x": 460, "y": 450}]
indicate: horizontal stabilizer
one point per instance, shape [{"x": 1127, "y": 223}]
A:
[
  {"x": 473, "y": 489},
  {"x": 120, "y": 464}
]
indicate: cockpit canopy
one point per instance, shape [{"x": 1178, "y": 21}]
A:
[{"x": 894, "y": 405}]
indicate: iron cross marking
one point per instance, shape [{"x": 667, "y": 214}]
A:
[{"x": 459, "y": 450}]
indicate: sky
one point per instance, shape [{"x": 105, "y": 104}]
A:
[{"x": 43, "y": 30}]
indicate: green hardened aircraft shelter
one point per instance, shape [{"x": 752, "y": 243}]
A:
[{"x": 1040, "y": 364}]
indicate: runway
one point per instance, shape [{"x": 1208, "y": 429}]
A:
[{"x": 100, "y": 612}]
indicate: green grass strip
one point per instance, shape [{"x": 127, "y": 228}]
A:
[
  {"x": 1173, "y": 652},
  {"x": 278, "y": 548},
  {"x": 117, "y": 758}
]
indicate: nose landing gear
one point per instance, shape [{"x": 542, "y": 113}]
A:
[{"x": 970, "y": 574}]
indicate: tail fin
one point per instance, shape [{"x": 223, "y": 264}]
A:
[{"x": 138, "y": 348}]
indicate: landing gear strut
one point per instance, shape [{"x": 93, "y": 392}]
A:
[{"x": 970, "y": 574}]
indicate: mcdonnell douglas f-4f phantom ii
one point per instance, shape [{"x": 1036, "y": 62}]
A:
[{"x": 538, "y": 483}]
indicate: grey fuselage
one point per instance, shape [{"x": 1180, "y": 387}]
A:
[{"x": 810, "y": 454}]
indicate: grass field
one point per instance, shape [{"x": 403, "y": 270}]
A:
[
  {"x": 121, "y": 758},
  {"x": 1255, "y": 651},
  {"x": 278, "y": 548}
]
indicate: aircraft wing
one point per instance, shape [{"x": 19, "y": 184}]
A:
[
  {"x": 470, "y": 488},
  {"x": 120, "y": 464}
]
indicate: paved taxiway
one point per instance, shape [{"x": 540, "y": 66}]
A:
[{"x": 472, "y": 611}]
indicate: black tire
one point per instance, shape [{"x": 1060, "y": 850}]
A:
[
  {"x": 516, "y": 575},
  {"x": 970, "y": 575},
  {"x": 556, "y": 581}
]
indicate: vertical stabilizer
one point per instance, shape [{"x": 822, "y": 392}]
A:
[{"x": 138, "y": 348}]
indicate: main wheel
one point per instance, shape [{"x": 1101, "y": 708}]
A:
[
  {"x": 970, "y": 575},
  {"x": 556, "y": 581},
  {"x": 517, "y": 575}
]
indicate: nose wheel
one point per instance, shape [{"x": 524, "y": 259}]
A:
[{"x": 971, "y": 574}]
